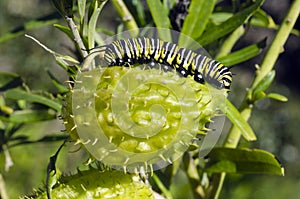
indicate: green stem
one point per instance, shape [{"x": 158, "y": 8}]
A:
[
  {"x": 77, "y": 37},
  {"x": 267, "y": 65},
  {"x": 162, "y": 187},
  {"x": 277, "y": 45},
  {"x": 3, "y": 192},
  {"x": 230, "y": 41},
  {"x": 126, "y": 16}
]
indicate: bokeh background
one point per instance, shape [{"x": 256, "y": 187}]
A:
[{"x": 276, "y": 124}]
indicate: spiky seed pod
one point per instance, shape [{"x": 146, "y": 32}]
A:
[
  {"x": 98, "y": 184},
  {"x": 133, "y": 119}
]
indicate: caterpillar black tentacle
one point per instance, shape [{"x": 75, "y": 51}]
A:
[{"x": 187, "y": 63}]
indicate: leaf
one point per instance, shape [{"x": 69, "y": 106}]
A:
[
  {"x": 215, "y": 32},
  {"x": 26, "y": 116},
  {"x": 243, "y": 54},
  {"x": 18, "y": 94},
  {"x": 263, "y": 85},
  {"x": 65, "y": 30},
  {"x": 60, "y": 59},
  {"x": 30, "y": 25},
  {"x": 9, "y": 80},
  {"x": 81, "y": 10},
  {"x": 219, "y": 17},
  {"x": 92, "y": 25},
  {"x": 160, "y": 18},
  {"x": 277, "y": 96},
  {"x": 64, "y": 7},
  {"x": 60, "y": 87},
  {"x": 235, "y": 117},
  {"x": 20, "y": 140},
  {"x": 262, "y": 19},
  {"x": 243, "y": 161},
  {"x": 199, "y": 14},
  {"x": 140, "y": 10}
]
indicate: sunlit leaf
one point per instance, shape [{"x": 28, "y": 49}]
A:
[
  {"x": 235, "y": 117},
  {"x": 94, "y": 14},
  {"x": 81, "y": 9},
  {"x": 262, "y": 19},
  {"x": 160, "y": 17},
  {"x": 215, "y": 32},
  {"x": 219, "y": 17},
  {"x": 243, "y": 161},
  {"x": 243, "y": 54},
  {"x": 196, "y": 20},
  {"x": 263, "y": 84},
  {"x": 277, "y": 96}
]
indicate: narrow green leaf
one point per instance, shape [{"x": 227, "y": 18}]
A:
[
  {"x": 9, "y": 80},
  {"x": 215, "y": 32},
  {"x": 160, "y": 18},
  {"x": 260, "y": 95},
  {"x": 235, "y": 117},
  {"x": 277, "y": 96},
  {"x": 263, "y": 84},
  {"x": 243, "y": 161},
  {"x": 140, "y": 10},
  {"x": 94, "y": 11},
  {"x": 81, "y": 9},
  {"x": 30, "y": 25},
  {"x": 65, "y": 30},
  {"x": 199, "y": 14},
  {"x": 64, "y": 7},
  {"x": 25, "y": 116},
  {"x": 60, "y": 87},
  {"x": 243, "y": 54},
  {"x": 18, "y": 94},
  {"x": 262, "y": 19},
  {"x": 219, "y": 17},
  {"x": 20, "y": 140},
  {"x": 91, "y": 28}
]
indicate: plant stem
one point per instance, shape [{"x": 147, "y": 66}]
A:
[
  {"x": 3, "y": 193},
  {"x": 162, "y": 187},
  {"x": 230, "y": 41},
  {"x": 126, "y": 16},
  {"x": 76, "y": 35},
  {"x": 277, "y": 45},
  {"x": 267, "y": 65}
]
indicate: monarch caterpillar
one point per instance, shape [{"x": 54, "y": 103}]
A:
[{"x": 143, "y": 50}]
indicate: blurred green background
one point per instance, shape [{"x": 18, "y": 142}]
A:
[{"x": 276, "y": 124}]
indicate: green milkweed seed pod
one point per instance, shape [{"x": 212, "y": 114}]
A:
[
  {"x": 98, "y": 184},
  {"x": 138, "y": 119}
]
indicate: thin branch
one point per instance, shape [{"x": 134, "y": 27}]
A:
[
  {"x": 126, "y": 16},
  {"x": 267, "y": 65},
  {"x": 8, "y": 160},
  {"x": 230, "y": 42},
  {"x": 3, "y": 192},
  {"x": 76, "y": 35},
  {"x": 277, "y": 45}
]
